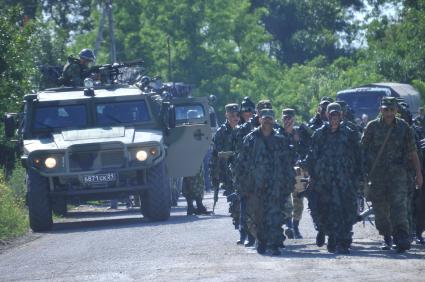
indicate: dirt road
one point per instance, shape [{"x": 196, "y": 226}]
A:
[{"x": 100, "y": 245}]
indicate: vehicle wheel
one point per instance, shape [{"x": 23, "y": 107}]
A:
[
  {"x": 176, "y": 189},
  {"x": 59, "y": 206},
  {"x": 155, "y": 203},
  {"x": 39, "y": 205}
]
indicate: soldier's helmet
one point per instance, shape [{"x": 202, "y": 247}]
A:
[
  {"x": 247, "y": 105},
  {"x": 88, "y": 55}
]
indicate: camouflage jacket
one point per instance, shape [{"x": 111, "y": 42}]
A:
[
  {"x": 74, "y": 73},
  {"x": 334, "y": 159},
  {"x": 396, "y": 152},
  {"x": 265, "y": 166},
  {"x": 243, "y": 130},
  {"x": 302, "y": 145},
  {"x": 223, "y": 141},
  {"x": 315, "y": 122}
]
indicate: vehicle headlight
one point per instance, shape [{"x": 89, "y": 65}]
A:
[
  {"x": 153, "y": 151},
  {"x": 50, "y": 162},
  {"x": 141, "y": 155}
]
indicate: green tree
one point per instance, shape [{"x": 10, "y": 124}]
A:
[{"x": 302, "y": 30}]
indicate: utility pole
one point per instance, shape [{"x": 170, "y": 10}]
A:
[
  {"x": 113, "y": 54},
  {"x": 99, "y": 37}
]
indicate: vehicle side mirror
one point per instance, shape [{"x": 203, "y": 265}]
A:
[
  {"x": 9, "y": 120},
  {"x": 171, "y": 116}
]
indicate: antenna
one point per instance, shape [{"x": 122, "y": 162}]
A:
[{"x": 170, "y": 75}]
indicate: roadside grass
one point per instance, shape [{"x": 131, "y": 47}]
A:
[{"x": 13, "y": 214}]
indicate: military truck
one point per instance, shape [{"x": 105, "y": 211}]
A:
[{"x": 107, "y": 142}]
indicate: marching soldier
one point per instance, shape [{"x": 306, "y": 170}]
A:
[
  {"x": 266, "y": 177},
  {"x": 389, "y": 145}
]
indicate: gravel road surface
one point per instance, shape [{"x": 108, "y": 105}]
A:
[{"x": 97, "y": 244}]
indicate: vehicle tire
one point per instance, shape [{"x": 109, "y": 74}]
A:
[
  {"x": 39, "y": 205},
  {"x": 155, "y": 202},
  {"x": 176, "y": 189},
  {"x": 59, "y": 206}
]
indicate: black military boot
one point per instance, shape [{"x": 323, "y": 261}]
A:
[
  {"x": 261, "y": 248},
  {"x": 331, "y": 246},
  {"x": 289, "y": 232},
  {"x": 251, "y": 240},
  {"x": 320, "y": 239},
  {"x": 242, "y": 237},
  {"x": 343, "y": 248},
  {"x": 200, "y": 208},
  {"x": 402, "y": 242},
  {"x": 297, "y": 233},
  {"x": 388, "y": 241},
  {"x": 190, "y": 209},
  {"x": 419, "y": 239},
  {"x": 275, "y": 251}
]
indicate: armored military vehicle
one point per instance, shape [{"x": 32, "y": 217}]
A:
[{"x": 108, "y": 142}]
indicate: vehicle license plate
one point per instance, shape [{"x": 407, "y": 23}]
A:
[{"x": 99, "y": 178}]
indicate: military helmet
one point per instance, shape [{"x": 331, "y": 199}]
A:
[
  {"x": 247, "y": 105},
  {"x": 87, "y": 54}
]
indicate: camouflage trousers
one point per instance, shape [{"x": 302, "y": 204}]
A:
[
  {"x": 235, "y": 209},
  {"x": 389, "y": 200},
  {"x": 336, "y": 213},
  {"x": 264, "y": 219},
  {"x": 411, "y": 187},
  {"x": 193, "y": 186}
]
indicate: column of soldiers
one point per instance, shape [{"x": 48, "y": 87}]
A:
[{"x": 254, "y": 159}]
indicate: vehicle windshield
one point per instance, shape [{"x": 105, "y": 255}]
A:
[
  {"x": 121, "y": 112},
  {"x": 363, "y": 102},
  {"x": 189, "y": 114},
  {"x": 52, "y": 117}
]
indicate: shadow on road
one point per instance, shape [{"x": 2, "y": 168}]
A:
[
  {"x": 119, "y": 219},
  {"x": 360, "y": 249}
]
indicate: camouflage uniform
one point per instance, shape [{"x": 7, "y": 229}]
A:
[
  {"x": 388, "y": 191},
  {"x": 315, "y": 123},
  {"x": 334, "y": 165},
  {"x": 266, "y": 179},
  {"x": 74, "y": 73},
  {"x": 220, "y": 174},
  {"x": 193, "y": 190},
  {"x": 241, "y": 131}
]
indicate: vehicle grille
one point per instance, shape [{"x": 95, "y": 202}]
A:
[{"x": 81, "y": 160}]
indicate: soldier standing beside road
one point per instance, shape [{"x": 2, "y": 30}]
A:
[
  {"x": 193, "y": 190},
  {"x": 388, "y": 190},
  {"x": 76, "y": 70},
  {"x": 334, "y": 166},
  {"x": 266, "y": 177}
]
